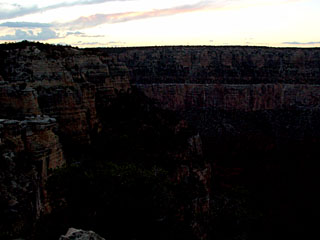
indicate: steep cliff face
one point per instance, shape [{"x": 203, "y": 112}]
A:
[
  {"x": 29, "y": 148},
  {"x": 17, "y": 102}
]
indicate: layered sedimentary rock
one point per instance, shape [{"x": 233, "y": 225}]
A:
[
  {"x": 29, "y": 148},
  {"x": 231, "y": 65},
  {"x": 35, "y": 138},
  {"x": 241, "y": 97},
  {"x": 60, "y": 82},
  {"x": 229, "y": 78},
  {"x": 68, "y": 84},
  {"x": 18, "y": 101}
]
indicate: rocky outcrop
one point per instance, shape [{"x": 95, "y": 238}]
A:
[
  {"x": 63, "y": 83},
  {"x": 78, "y": 234},
  {"x": 29, "y": 148},
  {"x": 195, "y": 176},
  {"x": 17, "y": 101}
]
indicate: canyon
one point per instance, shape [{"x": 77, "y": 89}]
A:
[{"x": 256, "y": 103}]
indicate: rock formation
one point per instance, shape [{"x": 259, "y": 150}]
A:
[
  {"x": 78, "y": 234},
  {"x": 29, "y": 148},
  {"x": 241, "y": 97},
  {"x": 51, "y": 98}
]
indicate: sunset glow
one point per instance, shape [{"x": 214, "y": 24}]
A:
[{"x": 101, "y": 23}]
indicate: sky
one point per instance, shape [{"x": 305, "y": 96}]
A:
[{"x": 117, "y": 23}]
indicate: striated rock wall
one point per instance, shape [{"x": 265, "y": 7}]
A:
[
  {"x": 70, "y": 84},
  {"x": 17, "y": 102},
  {"x": 242, "y": 97},
  {"x": 28, "y": 149},
  {"x": 72, "y": 109},
  {"x": 229, "y": 65},
  {"x": 63, "y": 83}
]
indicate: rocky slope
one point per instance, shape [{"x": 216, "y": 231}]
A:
[{"x": 240, "y": 99}]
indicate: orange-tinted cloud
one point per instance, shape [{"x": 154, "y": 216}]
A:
[{"x": 97, "y": 19}]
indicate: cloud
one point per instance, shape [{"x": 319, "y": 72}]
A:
[
  {"x": 81, "y": 34},
  {"x": 25, "y": 25},
  {"x": 97, "y": 19},
  {"x": 116, "y": 42},
  {"x": 75, "y": 33},
  {"x": 301, "y": 43},
  {"x": 89, "y": 43},
  {"x": 17, "y": 10},
  {"x": 107, "y": 44},
  {"x": 44, "y": 34},
  {"x": 81, "y": 43}
]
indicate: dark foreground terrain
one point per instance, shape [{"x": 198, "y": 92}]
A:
[{"x": 159, "y": 142}]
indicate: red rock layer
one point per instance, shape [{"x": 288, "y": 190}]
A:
[
  {"x": 243, "y": 97},
  {"x": 29, "y": 149}
]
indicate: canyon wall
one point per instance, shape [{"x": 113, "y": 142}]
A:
[
  {"x": 225, "y": 78},
  {"x": 68, "y": 84},
  {"x": 238, "y": 97},
  {"x": 213, "y": 65},
  {"x": 63, "y": 83},
  {"x": 51, "y": 98}
]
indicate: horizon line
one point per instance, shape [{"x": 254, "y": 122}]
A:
[{"x": 154, "y": 46}]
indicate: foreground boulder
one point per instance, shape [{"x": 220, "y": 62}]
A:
[{"x": 78, "y": 234}]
